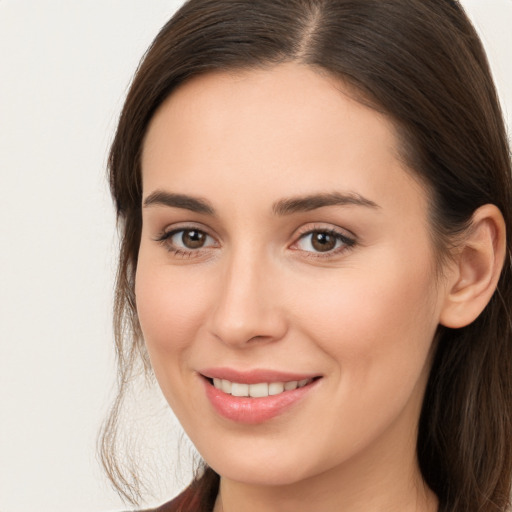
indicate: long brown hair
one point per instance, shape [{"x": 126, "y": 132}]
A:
[{"x": 421, "y": 63}]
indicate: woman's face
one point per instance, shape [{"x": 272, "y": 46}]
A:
[{"x": 283, "y": 241}]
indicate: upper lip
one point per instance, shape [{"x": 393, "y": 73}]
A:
[{"x": 254, "y": 376}]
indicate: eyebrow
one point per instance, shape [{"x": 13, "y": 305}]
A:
[
  {"x": 186, "y": 202},
  {"x": 312, "y": 202},
  {"x": 280, "y": 208}
]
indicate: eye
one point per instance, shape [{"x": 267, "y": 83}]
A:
[
  {"x": 324, "y": 241},
  {"x": 189, "y": 239},
  {"x": 185, "y": 241}
]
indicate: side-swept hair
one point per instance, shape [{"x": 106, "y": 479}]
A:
[{"x": 421, "y": 63}]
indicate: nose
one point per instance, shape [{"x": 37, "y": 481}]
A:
[{"x": 248, "y": 309}]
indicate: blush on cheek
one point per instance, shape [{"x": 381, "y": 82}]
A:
[
  {"x": 373, "y": 315},
  {"x": 169, "y": 314}
]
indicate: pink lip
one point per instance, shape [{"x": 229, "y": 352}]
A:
[
  {"x": 254, "y": 376},
  {"x": 253, "y": 410}
]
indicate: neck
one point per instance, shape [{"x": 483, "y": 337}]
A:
[{"x": 330, "y": 492}]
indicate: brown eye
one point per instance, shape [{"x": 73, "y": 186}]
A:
[
  {"x": 323, "y": 242},
  {"x": 193, "y": 238},
  {"x": 186, "y": 241}
]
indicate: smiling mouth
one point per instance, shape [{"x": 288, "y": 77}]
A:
[
  {"x": 260, "y": 389},
  {"x": 260, "y": 397}
]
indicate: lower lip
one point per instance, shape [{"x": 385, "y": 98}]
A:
[{"x": 254, "y": 410}]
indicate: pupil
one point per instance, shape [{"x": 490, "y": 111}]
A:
[
  {"x": 193, "y": 239},
  {"x": 323, "y": 242}
]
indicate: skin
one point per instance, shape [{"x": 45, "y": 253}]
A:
[{"x": 258, "y": 295}]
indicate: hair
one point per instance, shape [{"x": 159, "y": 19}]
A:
[{"x": 422, "y": 64}]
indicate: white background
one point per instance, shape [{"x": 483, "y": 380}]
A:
[{"x": 64, "y": 69}]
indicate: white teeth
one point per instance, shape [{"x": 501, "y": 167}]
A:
[
  {"x": 259, "y": 390},
  {"x": 225, "y": 386},
  {"x": 274, "y": 388},
  {"x": 238, "y": 389}
]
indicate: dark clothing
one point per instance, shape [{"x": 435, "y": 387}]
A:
[
  {"x": 199, "y": 496},
  {"x": 188, "y": 501}
]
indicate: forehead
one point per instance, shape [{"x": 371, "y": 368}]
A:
[{"x": 269, "y": 129}]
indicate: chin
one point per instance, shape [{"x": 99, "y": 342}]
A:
[
  {"x": 262, "y": 466},
  {"x": 261, "y": 474}
]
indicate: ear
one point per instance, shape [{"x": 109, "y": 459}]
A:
[{"x": 476, "y": 269}]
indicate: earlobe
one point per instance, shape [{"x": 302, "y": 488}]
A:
[{"x": 476, "y": 269}]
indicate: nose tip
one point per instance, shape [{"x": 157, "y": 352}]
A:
[
  {"x": 246, "y": 321},
  {"x": 247, "y": 310},
  {"x": 240, "y": 334}
]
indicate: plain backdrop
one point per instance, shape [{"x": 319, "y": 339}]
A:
[{"x": 64, "y": 70}]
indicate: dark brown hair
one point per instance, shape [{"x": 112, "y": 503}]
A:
[{"x": 422, "y": 64}]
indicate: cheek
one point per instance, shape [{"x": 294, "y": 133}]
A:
[
  {"x": 377, "y": 326},
  {"x": 171, "y": 308}
]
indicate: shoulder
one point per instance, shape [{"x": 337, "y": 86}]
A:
[
  {"x": 175, "y": 505},
  {"x": 199, "y": 496},
  {"x": 185, "y": 502}
]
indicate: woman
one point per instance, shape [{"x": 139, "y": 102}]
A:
[{"x": 314, "y": 199}]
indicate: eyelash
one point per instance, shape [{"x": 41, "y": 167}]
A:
[
  {"x": 346, "y": 241},
  {"x": 165, "y": 240}
]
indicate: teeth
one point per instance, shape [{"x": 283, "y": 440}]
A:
[
  {"x": 239, "y": 389},
  {"x": 259, "y": 390},
  {"x": 274, "y": 388},
  {"x": 288, "y": 386},
  {"x": 226, "y": 386}
]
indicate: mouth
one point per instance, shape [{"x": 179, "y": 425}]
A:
[
  {"x": 255, "y": 397},
  {"x": 259, "y": 389}
]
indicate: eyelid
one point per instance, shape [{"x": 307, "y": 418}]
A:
[
  {"x": 165, "y": 236},
  {"x": 183, "y": 226},
  {"x": 327, "y": 227},
  {"x": 348, "y": 239}
]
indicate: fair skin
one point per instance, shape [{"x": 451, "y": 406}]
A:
[{"x": 235, "y": 275}]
